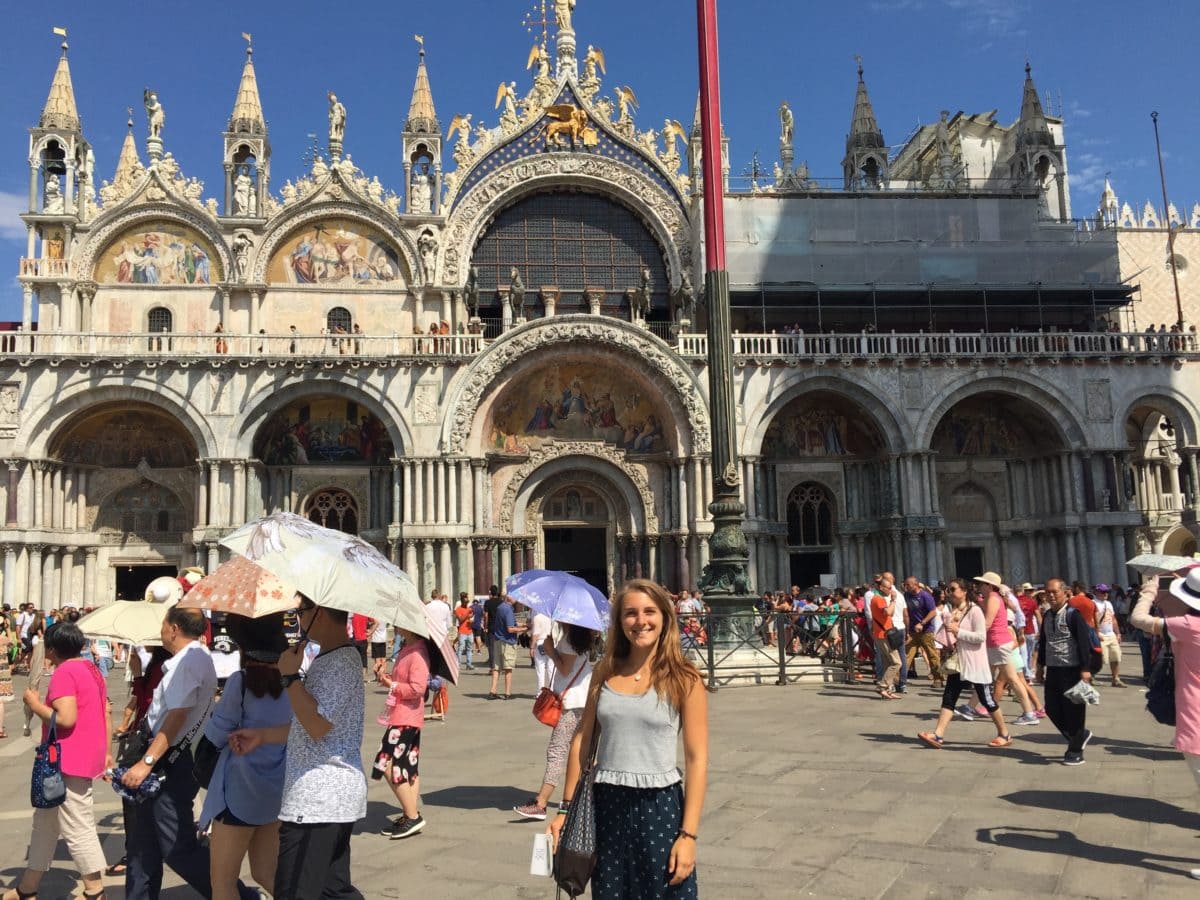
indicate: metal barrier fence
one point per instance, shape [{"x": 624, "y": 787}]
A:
[{"x": 786, "y": 647}]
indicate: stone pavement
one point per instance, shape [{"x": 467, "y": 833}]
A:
[{"x": 814, "y": 791}]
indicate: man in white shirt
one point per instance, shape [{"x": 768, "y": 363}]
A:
[
  {"x": 162, "y": 828},
  {"x": 441, "y": 612},
  {"x": 1109, "y": 631}
]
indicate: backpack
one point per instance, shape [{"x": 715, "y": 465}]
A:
[{"x": 1160, "y": 698}]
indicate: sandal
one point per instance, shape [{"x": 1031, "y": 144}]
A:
[
  {"x": 21, "y": 895},
  {"x": 1000, "y": 740},
  {"x": 117, "y": 868},
  {"x": 934, "y": 740}
]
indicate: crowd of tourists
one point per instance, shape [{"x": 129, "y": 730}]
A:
[{"x": 278, "y": 744}]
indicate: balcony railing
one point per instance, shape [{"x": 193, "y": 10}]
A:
[
  {"x": 45, "y": 268},
  {"x": 212, "y": 346},
  {"x": 950, "y": 345}
]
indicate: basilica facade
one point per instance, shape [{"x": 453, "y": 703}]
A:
[{"x": 504, "y": 366}]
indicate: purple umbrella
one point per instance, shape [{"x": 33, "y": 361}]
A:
[{"x": 562, "y": 596}]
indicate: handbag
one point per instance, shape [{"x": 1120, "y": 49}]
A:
[
  {"x": 895, "y": 638},
  {"x": 548, "y": 706},
  {"x": 575, "y": 859},
  {"x": 1160, "y": 697},
  {"x": 133, "y": 745},
  {"x": 47, "y": 788},
  {"x": 206, "y": 754},
  {"x": 950, "y": 665}
]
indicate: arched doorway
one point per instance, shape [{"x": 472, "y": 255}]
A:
[
  {"x": 334, "y": 508},
  {"x": 575, "y": 534},
  {"x": 810, "y": 533}
]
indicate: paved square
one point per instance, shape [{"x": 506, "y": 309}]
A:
[{"x": 814, "y": 791}]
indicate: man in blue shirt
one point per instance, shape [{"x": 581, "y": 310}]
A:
[
  {"x": 922, "y": 617},
  {"x": 504, "y": 630}
]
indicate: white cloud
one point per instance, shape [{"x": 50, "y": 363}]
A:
[
  {"x": 996, "y": 18},
  {"x": 11, "y": 206}
]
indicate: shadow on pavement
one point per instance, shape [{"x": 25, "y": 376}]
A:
[
  {"x": 1138, "y": 809},
  {"x": 1064, "y": 843},
  {"x": 486, "y": 796}
]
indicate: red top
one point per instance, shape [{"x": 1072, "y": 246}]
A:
[
  {"x": 359, "y": 626},
  {"x": 463, "y": 614},
  {"x": 1086, "y": 608},
  {"x": 880, "y": 620},
  {"x": 1029, "y": 607}
]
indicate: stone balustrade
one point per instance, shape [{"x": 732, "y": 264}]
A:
[{"x": 46, "y": 267}]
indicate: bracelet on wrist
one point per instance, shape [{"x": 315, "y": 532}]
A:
[{"x": 688, "y": 835}]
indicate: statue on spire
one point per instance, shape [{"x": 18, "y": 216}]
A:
[
  {"x": 563, "y": 10},
  {"x": 154, "y": 113}
]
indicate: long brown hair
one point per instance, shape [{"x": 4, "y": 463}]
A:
[{"x": 671, "y": 674}]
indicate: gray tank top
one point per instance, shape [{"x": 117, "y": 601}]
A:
[{"x": 638, "y": 739}]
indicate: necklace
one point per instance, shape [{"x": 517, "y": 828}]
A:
[{"x": 637, "y": 677}]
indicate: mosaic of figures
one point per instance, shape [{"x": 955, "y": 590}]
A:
[
  {"x": 161, "y": 255},
  {"x": 811, "y": 427},
  {"x": 984, "y": 426},
  {"x": 573, "y": 402},
  {"x": 335, "y": 253},
  {"x": 120, "y": 439},
  {"x": 323, "y": 430}
]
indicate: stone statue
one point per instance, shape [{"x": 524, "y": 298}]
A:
[
  {"x": 516, "y": 294},
  {"x": 685, "y": 297},
  {"x": 244, "y": 201},
  {"x": 639, "y": 297},
  {"x": 154, "y": 113},
  {"x": 427, "y": 245},
  {"x": 787, "y": 124},
  {"x": 563, "y": 10},
  {"x": 471, "y": 292},
  {"x": 53, "y": 202},
  {"x": 241, "y": 253},
  {"x": 337, "y": 118},
  {"x": 375, "y": 190},
  {"x": 943, "y": 136},
  {"x": 421, "y": 192}
]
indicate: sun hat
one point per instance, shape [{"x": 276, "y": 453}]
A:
[
  {"x": 989, "y": 578},
  {"x": 1026, "y": 586},
  {"x": 1101, "y": 588},
  {"x": 1187, "y": 588}
]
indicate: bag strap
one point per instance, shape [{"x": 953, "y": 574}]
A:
[
  {"x": 1166, "y": 638},
  {"x": 52, "y": 730},
  {"x": 574, "y": 678}
]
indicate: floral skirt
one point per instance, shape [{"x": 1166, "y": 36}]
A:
[{"x": 399, "y": 753}]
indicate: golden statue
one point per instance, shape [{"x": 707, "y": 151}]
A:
[{"x": 572, "y": 122}]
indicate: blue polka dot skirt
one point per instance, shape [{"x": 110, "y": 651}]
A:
[{"x": 635, "y": 830}]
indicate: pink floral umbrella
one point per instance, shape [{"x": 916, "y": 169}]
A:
[{"x": 239, "y": 586}]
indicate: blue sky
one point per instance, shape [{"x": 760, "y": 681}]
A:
[{"x": 1105, "y": 63}]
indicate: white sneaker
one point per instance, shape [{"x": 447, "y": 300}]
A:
[{"x": 1028, "y": 719}]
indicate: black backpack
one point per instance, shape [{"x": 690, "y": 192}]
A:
[{"x": 1160, "y": 698}]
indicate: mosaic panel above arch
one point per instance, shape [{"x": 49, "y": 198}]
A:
[
  {"x": 993, "y": 425},
  {"x": 120, "y": 436},
  {"x": 821, "y": 424},
  {"x": 323, "y": 429},
  {"x": 578, "y": 400},
  {"x": 159, "y": 254},
  {"x": 336, "y": 252}
]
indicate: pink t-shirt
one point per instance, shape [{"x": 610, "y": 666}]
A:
[
  {"x": 1185, "y": 644},
  {"x": 998, "y": 634},
  {"x": 84, "y": 746}
]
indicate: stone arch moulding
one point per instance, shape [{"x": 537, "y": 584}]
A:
[
  {"x": 590, "y": 331},
  {"x": 658, "y": 210},
  {"x": 258, "y": 408},
  {"x": 45, "y": 421},
  {"x": 826, "y": 480},
  {"x": 1173, "y": 404},
  {"x": 889, "y": 420},
  {"x": 1061, "y": 412},
  {"x": 600, "y": 482},
  {"x": 108, "y": 230},
  {"x": 288, "y": 223},
  {"x": 608, "y": 461}
]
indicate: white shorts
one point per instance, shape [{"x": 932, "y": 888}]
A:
[{"x": 1000, "y": 656}]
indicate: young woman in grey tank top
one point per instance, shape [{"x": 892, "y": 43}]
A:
[{"x": 644, "y": 693}]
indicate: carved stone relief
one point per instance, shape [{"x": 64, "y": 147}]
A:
[{"x": 1098, "y": 400}]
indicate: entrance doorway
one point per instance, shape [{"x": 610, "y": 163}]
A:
[
  {"x": 807, "y": 569},
  {"x": 968, "y": 562},
  {"x": 580, "y": 551},
  {"x": 133, "y": 580}
]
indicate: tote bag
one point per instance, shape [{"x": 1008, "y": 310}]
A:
[{"x": 47, "y": 788}]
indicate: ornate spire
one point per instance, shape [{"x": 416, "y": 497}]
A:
[
  {"x": 864, "y": 130},
  {"x": 129, "y": 164},
  {"x": 247, "y": 117},
  {"x": 1032, "y": 127},
  {"x": 60, "y": 111},
  {"x": 422, "y": 117}
]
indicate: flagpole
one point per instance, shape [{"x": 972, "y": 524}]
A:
[{"x": 725, "y": 580}]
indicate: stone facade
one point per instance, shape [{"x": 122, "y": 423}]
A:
[{"x": 196, "y": 365}]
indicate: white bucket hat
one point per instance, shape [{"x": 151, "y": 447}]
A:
[{"x": 1187, "y": 588}]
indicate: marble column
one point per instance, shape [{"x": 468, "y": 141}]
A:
[
  {"x": 10, "y": 576},
  {"x": 34, "y": 579},
  {"x": 530, "y": 551},
  {"x": 478, "y": 473},
  {"x": 483, "y": 574},
  {"x": 752, "y": 560},
  {"x": 54, "y": 514},
  {"x": 49, "y": 566},
  {"x": 237, "y": 515},
  {"x": 410, "y": 562},
  {"x": 505, "y": 562},
  {"x": 14, "y": 483},
  {"x": 445, "y": 572},
  {"x": 214, "y": 557},
  {"x": 418, "y": 492},
  {"x": 783, "y": 563},
  {"x": 463, "y": 576},
  {"x": 453, "y": 475},
  {"x": 683, "y": 570},
  {"x": 428, "y": 570},
  {"x": 70, "y": 501},
  {"x": 652, "y": 543},
  {"x": 67, "y": 587},
  {"x": 518, "y": 557},
  {"x": 437, "y": 470},
  {"x": 1120, "y": 572},
  {"x": 214, "y": 497},
  {"x": 39, "y": 473},
  {"x": 750, "y": 464},
  {"x": 397, "y": 484},
  {"x": 697, "y": 490},
  {"x": 681, "y": 493},
  {"x": 89, "y": 576},
  {"x": 429, "y": 512}
]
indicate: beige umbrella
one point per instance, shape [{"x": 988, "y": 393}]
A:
[
  {"x": 164, "y": 589},
  {"x": 239, "y": 586},
  {"x": 127, "y": 621}
]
